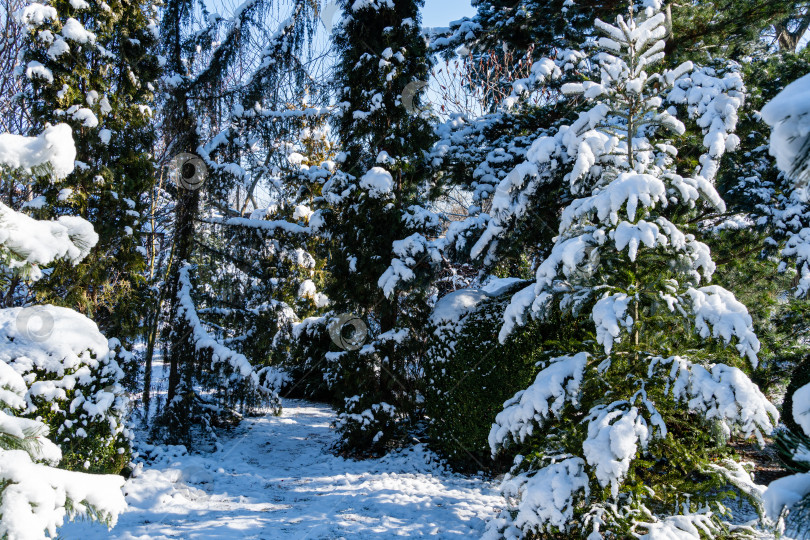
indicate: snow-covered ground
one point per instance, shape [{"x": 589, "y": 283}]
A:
[{"x": 275, "y": 477}]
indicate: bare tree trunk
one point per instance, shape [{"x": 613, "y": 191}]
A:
[{"x": 789, "y": 39}]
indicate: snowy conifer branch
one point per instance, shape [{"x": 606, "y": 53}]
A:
[{"x": 236, "y": 366}]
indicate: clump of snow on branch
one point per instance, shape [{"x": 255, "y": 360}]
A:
[
  {"x": 554, "y": 387},
  {"x": 801, "y": 408},
  {"x": 720, "y": 315},
  {"x": 720, "y": 392},
  {"x": 28, "y": 243},
  {"x": 53, "y": 149},
  {"x": 609, "y": 315},
  {"x": 544, "y": 501},
  {"x": 614, "y": 438},
  {"x": 378, "y": 182},
  {"x": 788, "y": 114}
]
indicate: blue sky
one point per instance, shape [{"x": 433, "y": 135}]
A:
[{"x": 441, "y": 12}]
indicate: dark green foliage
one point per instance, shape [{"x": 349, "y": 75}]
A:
[
  {"x": 99, "y": 440},
  {"x": 302, "y": 354},
  {"x": 722, "y": 28},
  {"x": 469, "y": 375},
  {"x": 790, "y": 444},
  {"x": 112, "y": 78}
]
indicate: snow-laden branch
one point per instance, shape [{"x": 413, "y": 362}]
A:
[
  {"x": 720, "y": 392},
  {"x": 53, "y": 149},
  {"x": 265, "y": 225},
  {"x": 240, "y": 366},
  {"x": 32, "y": 243},
  {"x": 553, "y": 388}
]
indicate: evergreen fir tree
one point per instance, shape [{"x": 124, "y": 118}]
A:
[
  {"x": 93, "y": 66},
  {"x": 371, "y": 206},
  {"x": 630, "y": 429}
]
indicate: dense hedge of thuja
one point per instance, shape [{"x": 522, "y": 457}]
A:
[{"x": 469, "y": 374}]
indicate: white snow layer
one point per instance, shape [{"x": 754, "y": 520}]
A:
[
  {"x": 546, "y": 499},
  {"x": 785, "y": 492},
  {"x": 720, "y": 315},
  {"x": 50, "y": 337},
  {"x": 53, "y": 147},
  {"x": 614, "y": 436},
  {"x": 553, "y": 387},
  {"x": 801, "y": 408},
  {"x": 722, "y": 393},
  {"x": 277, "y": 478},
  {"x": 378, "y": 182},
  {"x": 39, "y": 243},
  {"x": 787, "y": 114},
  {"x": 35, "y": 500}
]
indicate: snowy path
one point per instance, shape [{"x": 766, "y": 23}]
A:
[{"x": 275, "y": 478}]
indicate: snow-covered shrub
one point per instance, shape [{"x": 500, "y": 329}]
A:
[
  {"x": 303, "y": 351},
  {"x": 366, "y": 428},
  {"x": 35, "y": 497},
  {"x": 73, "y": 384},
  {"x": 627, "y": 430},
  {"x": 469, "y": 373}
]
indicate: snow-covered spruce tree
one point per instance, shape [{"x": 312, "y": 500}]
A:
[
  {"x": 626, "y": 434},
  {"x": 92, "y": 64},
  {"x": 370, "y": 205},
  {"x": 238, "y": 117},
  {"x": 35, "y": 497}
]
